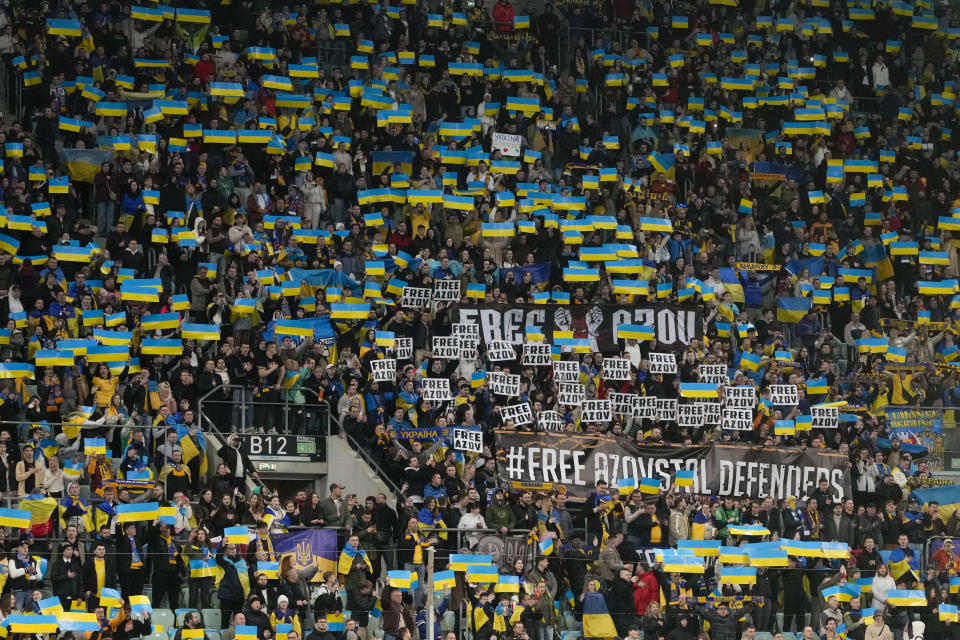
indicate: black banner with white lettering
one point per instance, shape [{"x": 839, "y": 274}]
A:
[
  {"x": 673, "y": 326},
  {"x": 576, "y": 461}
]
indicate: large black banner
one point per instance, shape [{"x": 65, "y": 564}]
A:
[
  {"x": 544, "y": 460},
  {"x": 675, "y": 326}
]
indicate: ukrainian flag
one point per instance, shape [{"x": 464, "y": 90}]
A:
[
  {"x": 767, "y": 558},
  {"x": 161, "y": 347},
  {"x": 872, "y": 345},
  {"x": 9, "y": 244},
  {"x": 738, "y": 575},
  {"x": 906, "y": 598},
  {"x": 649, "y": 486},
  {"x": 57, "y": 27},
  {"x": 147, "y": 13},
  {"x": 108, "y": 353},
  {"x": 698, "y": 390},
  {"x": 145, "y": 512},
  {"x": 597, "y": 622},
  {"x": 197, "y": 16},
  {"x": 665, "y": 163},
  {"x": 792, "y": 310},
  {"x": 295, "y": 328},
  {"x": 896, "y": 354},
  {"x": 635, "y": 332},
  {"x": 236, "y": 535},
  {"x": 200, "y": 332},
  {"x": 704, "y": 548},
  {"x": 505, "y": 584},
  {"x": 341, "y": 311},
  {"x": 656, "y": 224},
  {"x": 16, "y": 518},
  {"x": 94, "y": 446},
  {"x": 942, "y": 288},
  {"x": 158, "y": 321},
  {"x": 31, "y": 624}
]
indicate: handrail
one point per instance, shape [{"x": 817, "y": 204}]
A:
[
  {"x": 363, "y": 453},
  {"x": 246, "y": 406}
]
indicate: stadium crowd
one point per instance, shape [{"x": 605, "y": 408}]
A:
[{"x": 242, "y": 203}]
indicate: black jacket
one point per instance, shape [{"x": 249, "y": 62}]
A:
[
  {"x": 90, "y": 574},
  {"x": 124, "y": 550},
  {"x": 230, "y": 586},
  {"x": 228, "y": 455},
  {"x": 63, "y": 585}
]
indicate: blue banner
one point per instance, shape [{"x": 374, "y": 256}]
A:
[
  {"x": 312, "y": 550},
  {"x": 539, "y": 273},
  {"x": 322, "y": 330},
  {"x": 426, "y": 433}
]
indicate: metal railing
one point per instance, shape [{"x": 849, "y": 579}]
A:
[
  {"x": 315, "y": 418},
  {"x": 246, "y": 411}
]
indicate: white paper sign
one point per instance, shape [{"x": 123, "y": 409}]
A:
[
  {"x": 622, "y": 403},
  {"x": 645, "y": 407},
  {"x": 416, "y": 297},
  {"x": 549, "y": 421},
  {"x": 743, "y": 397},
  {"x": 384, "y": 370},
  {"x": 616, "y": 369},
  {"x": 469, "y": 440},
  {"x": 735, "y": 419},
  {"x": 596, "y": 411},
  {"x": 436, "y": 389},
  {"x": 519, "y": 413},
  {"x": 507, "y": 143},
  {"x": 711, "y": 412},
  {"x": 446, "y": 347},
  {"x": 690, "y": 415},
  {"x": 446, "y": 290},
  {"x": 825, "y": 417},
  {"x": 536, "y": 354},
  {"x": 463, "y": 329},
  {"x": 714, "y": 374},
  {"x": 665, "y": 363},
  {"x": 666, "y": 408},
  {"x": 784, "y": 394},
  {"x": 503, "y": 384},
  {"x": 403, "y": 348},
  {"x": 566, "y": 371},
  {"x": 571, "y": 393},
  {"x": 500, "y": 350}
]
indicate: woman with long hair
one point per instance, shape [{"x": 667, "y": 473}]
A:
[{"x": 198, "y": 548}]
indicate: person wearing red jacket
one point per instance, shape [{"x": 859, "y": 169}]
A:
[
  {"x": 645, "y": 589},
  {"x": 503, "y": 13}
]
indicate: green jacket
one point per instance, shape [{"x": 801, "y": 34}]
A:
[
  {"x": 725, "y": 517},
  {"x": 500, "y": 515}
]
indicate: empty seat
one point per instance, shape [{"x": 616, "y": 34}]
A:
[
  {"x": 163, "y": 617},
  {"x": 211, "y": 619}
]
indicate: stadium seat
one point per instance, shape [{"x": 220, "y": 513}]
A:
[
  {"x": 212, "y": 634},
  {"x": 570, "y": 635},
  {"x": 447, "y": 622},
  {"x": 789, "y": 635},
  {"x": 211, "y": 618},
  {"x": 163, "y": 617},
  {"x": 763, "y": 635}
]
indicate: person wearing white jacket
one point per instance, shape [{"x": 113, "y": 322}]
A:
[
  {"x": 881, "y": 74},
  {"x": 882, "y": 583},
  {"x": 314, "y": 199}
]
